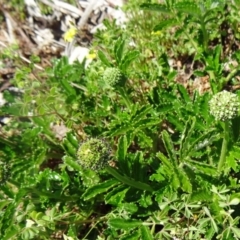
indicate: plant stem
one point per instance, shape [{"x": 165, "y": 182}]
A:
[
  {"x": 205, "y": 34},
  {"x": 224, "y": 145}
]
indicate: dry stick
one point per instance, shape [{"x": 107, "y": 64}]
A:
[
  {"x": 10, "y": 28},
  {"x": 78, "y": 4},
  {"x": 86, "y": 14},
  {"x": 63, "y": 7},
  {"x": 9, "y": 23},
  {"x": 28, "y": 61}
]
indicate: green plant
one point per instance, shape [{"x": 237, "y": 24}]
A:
[
  {"x": 188, "y": 13},
  {"x": 224, "y": 106},
  {"x": 122, "y": 149}
]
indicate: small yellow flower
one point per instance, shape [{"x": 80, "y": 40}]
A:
[
  {"x": 91, "y": 56},
  {"x": 157, "y": 33},
  {"x": 70, "y": 34}
]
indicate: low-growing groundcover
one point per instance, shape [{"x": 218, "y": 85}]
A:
[{"x": 142, "y": 144}]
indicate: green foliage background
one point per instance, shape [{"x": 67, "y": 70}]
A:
[{"x": 162, "y": 178}]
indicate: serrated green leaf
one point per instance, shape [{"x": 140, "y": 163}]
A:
[
  {"x": 99, "y": 188},
  {"x": 124, "y": 224},
  {"x": 169, "y": 147},
  {"x": 165, "y": 108},
  {"x": 145, "y": 140},
  {"x": 203, "y": 167},
  {"x": 127, "y": 180},
  {"x": 176, "y": 122},
  {"x": 104, "y": 59},
  {"x": 185, "y": 182},
  {"x": 89, "y": 177},
  {"x": 186, "y": 140},
  {"x": 122, "y": 148},
  {"x": 69, "y": 148},
  {"x": 121, "y": 130},
  {"x": 116, "y": 196},
  {"x": 204, "y": 140},
  {"x": 188, "y": 7},
  {"x": 71, "y": 162},
  {"x": 155, "y": 7},
  {"x": 118, "y": 49},
  {"x": 129, "y": 207},
  {"x": 149, "y": 122},
  {"x": 231, "y": 162},
  {"x": 183, "y": 93},
  {"x": 141, "y": 113},
  {"x": 67, "y": 87},
  {"x": 145, "y": 233},
  {"x": 137, "y": 168},
  {"x": 72, "y": 139},
  {"x": 40, "y": 157},
  {"x": 175, "y": 180},
  {"x": 165, "y": 160},
  {"x": 165, "y": 24},
  {"x": 128, "y": 58},
  {"x": 21, "y": 167},
  {"x": 232, "y": 158}
]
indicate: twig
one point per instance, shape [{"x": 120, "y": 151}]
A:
[
  {"x": 86, "y": 14},
  {"x": 28, "y": 61},
  {"x": 10, "y": 28},
  {"x": 63, "y": 7}
]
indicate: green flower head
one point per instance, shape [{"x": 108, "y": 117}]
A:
[
  {"x": 111, "y": 76},
  {"x": 94, "y": 154},
  {"x": 224, "y": 106}
]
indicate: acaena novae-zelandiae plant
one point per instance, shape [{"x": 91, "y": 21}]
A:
[
  {"x": 95, "y": 154},
  {"x": 224, "y": 106},
  {"x": 111, "y": 76}
]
